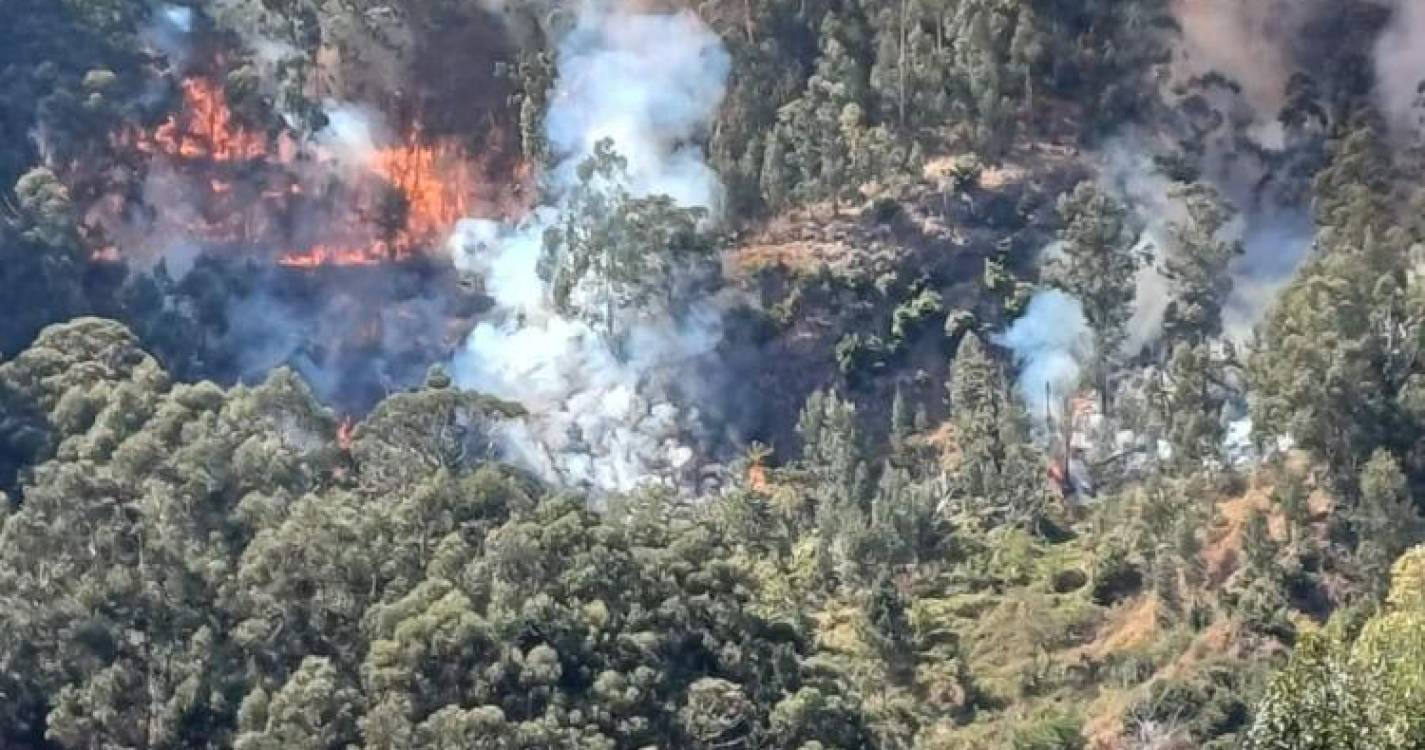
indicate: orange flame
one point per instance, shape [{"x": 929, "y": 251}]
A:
[
  {"x": 247, "y": 185},
  {"x": 437, "y": 182},
  {"x": 757, "y": 477},
  {"x": 205, "y": 128},
  {"x": 324, "y": 255}
]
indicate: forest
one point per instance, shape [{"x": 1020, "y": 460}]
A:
[{"x": 712, "y": 374}]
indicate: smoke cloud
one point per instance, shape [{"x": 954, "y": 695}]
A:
[
  {"x": 1276, "y": 235},
  {"x": 1050, "y": 341},
  {"x": 1400, "y": 66},
  {"x": 1249, "y": 41},
  {"x": 284, "y": 246},
  {"x": 651, "y": 83},
  {"x": 1274, "y": 245}
]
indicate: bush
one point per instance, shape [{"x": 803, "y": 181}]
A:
[
  {"x": 1115, "y": 578},
  {"x": 856, "y": 354},
  {"x": 909, "y": 315},
  {"x": 1056, "y": 731},
  {"x": 1065, "y": 581}
]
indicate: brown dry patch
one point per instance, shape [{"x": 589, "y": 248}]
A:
[
  {"x": 940, "y": 167},
  {"x": 1104, "y": 728},
  {"x": 1218, "y": 639},
  {"x": 1320, "y": 503},
  {"x": 799, "y": 241},
  {"x": 945, "y": 443},
  {"x": 943, "y": 168},
  {"x": 837, "y": 629},
  {"x": 994, "y": 178},
  {"x": 1131, "y": 625},
  {"x": 1223, "y": 545},
  {"x": 1016, "y": 168},
  {"x": 797, "y": 257},
  {"x": 1135, "y": 626}
]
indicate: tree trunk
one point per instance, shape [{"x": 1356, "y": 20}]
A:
[
  {"x": 900, "y": 66},
  {"x": 1103, "y": 399}
]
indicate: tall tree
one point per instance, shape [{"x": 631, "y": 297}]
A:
[
  {"x": 998, "y": 477},
  {"x": 1098, "y": 267},
  {"x": 1384, "y": 521},
  {"x": 1197, "y": 266},
  {"x": 1339, "y": 361},
  {"x": 616, "y": 254}
]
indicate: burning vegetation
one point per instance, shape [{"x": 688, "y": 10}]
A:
[
  {"x": 319, "y": 241},
  {"x": 303, "y": 201}
]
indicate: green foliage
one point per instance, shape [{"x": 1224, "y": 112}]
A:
[
  {"x": 1337, "y": 693},
  {"x": 1051, "y": 732},
  {"x": 1000, "y": 478},
  {"x": 925, "y": 305},
  {"x": 1197, "y": 266},
  {"x": 1192, "y": 406},
  {"x": 1384, "y": 520},
  {"x": 532, "y": 76},
  {"x": 230, "y": 575},
  {"x": 1341, "y": 348},
  {"x": 1097, "y": 266},
  {"x": 615, "y": 255},
  {"x": 183, "y": 565}
]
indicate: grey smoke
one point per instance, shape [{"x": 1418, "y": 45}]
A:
[
  {"x": 1249, "y": 41},
  {"x": 1275, "y": 244},
  {"x": 167, "y": 33},
  {"x": 1126, "y": 171},
  {"x": 1400, "y": 67},
  {"x": 1276, "y": 236},
  {"x": 353, "y": 133},
  {"x": 651, "y": 82}
]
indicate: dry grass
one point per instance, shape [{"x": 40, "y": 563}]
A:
[
  {"x": 1103, "y": 729},
  {"x": 1214, "y": 641},
  {"x": 837, "y": 629},
  {"x": 1130, "y": 626},
  {"x": 795, "y": 256},
  {"x": 945, "y": 443}
]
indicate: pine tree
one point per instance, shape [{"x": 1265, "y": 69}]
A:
[
  {"x": 888, "y": 631},
  {"x": 1384, "y": 521},
  {"x": 999, "y": 474},
  {"x": 1098, "y": 268},
  {"x": 977, "y": 404},
  {"x": 1197, "y": 266},
  {"x": 1192, "y": 408}
]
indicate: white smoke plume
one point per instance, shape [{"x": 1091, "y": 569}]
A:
[
  {"x": 1400, "y": 67},
  {"x": 1050, "y": 341},
  {"x": 651, "y": 83},
  {"x": 353, "y": 133},
  {"x": 1125, "y": 170}
]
